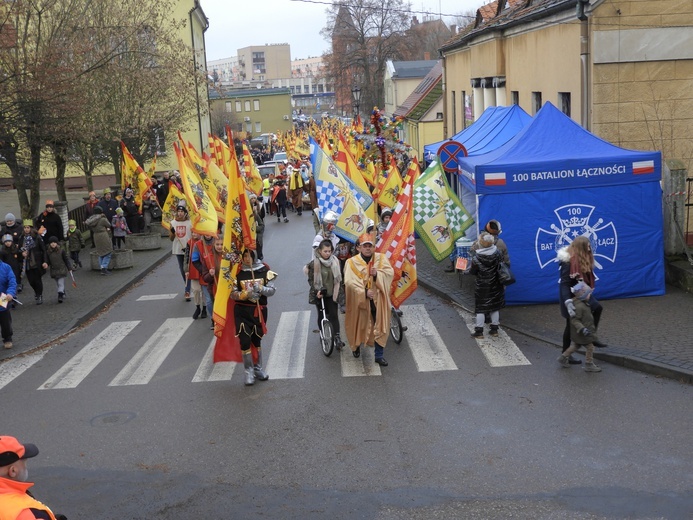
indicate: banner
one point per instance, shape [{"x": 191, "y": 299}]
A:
[{"x": 439, "y": 217}]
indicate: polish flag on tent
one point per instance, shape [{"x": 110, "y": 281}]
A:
[
  {"x": 640, "y": 167},
  {"x": 494, "y": 179}
]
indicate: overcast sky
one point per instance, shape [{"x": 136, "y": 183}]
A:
[{"x": 234, "y": 24}]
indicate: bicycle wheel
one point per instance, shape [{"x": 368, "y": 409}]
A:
[
  {"x": 326, "y": 337},
  {"x": 396, "y": 329}
]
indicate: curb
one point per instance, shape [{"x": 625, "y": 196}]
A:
[
  {"x": 96, "y": 309},
  {"x": 623, "y": 360}
]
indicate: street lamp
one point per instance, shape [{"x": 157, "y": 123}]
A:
[{"x": 356, "y": 94}]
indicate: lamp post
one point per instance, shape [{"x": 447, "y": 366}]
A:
[{"x": 356, "y": 94}]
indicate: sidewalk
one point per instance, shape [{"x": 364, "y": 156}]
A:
[{"x": 651, "y": 334}]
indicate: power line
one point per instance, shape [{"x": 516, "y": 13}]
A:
[{"x": 408, "y": 11}]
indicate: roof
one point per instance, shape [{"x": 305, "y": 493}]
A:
[
  {"x": 412, "y": 69},
  {"x": 502, "y": 14},
  {"x": 424, "y": 96}
]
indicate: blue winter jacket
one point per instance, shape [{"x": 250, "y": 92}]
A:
[{"x": 8, "y": 283}]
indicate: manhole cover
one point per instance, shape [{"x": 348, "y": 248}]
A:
[{"x": 113, "y": 418}]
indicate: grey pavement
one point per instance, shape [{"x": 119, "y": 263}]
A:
[{"x": 650, "y": 334}]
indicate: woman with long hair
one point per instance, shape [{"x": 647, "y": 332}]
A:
[{"x": 576, "y": 263}]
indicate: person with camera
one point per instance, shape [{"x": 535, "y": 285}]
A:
[{"x": 324, "y": 279}]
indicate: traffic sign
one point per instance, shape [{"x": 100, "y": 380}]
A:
[{"x": 448, "y": 152}]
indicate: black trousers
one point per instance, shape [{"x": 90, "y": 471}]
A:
[
  {"x": 332, "y": 312},
  {"x": 6, "y": 325},
  {"x": 34, "y": 276}
]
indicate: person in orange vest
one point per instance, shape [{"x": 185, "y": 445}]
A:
[{"x": 16, "y": 503}]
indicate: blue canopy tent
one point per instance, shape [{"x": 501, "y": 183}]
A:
[
  {"x": 555, "y": 181},
  {"x": 496, "y": 126}
]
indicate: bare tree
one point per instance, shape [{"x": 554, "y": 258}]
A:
[
  {"x": 79, "y": 73},
  {"x": 365, "y": 34}
]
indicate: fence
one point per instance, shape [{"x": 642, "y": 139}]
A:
[{"x": 79, "y": 215}]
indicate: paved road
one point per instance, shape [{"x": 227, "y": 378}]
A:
[{"x": 130, "y": 426}]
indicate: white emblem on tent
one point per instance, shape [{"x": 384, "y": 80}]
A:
[{"x": 574, "y": 221}]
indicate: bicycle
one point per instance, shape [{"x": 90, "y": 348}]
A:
[
  {"x": 396, "y": 327},
  {"x": 327, "y": 339}
]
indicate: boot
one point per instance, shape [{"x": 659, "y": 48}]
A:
[
  {"x": 493, "y": 330},
  {"x": 39, "y": 300},
  {"x": 338, "y": 342},
  {"x": 196, "y": 314},
  {"x": 60, "y": 297},
  {"x": 478, "y": 332},
  {"x": 203, "y": 314},
  {"x": 249, "y": 370},
  {"x": 260, "y": 374}
]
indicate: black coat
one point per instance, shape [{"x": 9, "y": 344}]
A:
[
  {"x": 53, "y": 224},
  {"x": 489, "y": 293}
]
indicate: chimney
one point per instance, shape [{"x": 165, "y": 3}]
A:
[
  {"x": 427, "y": 55},
  {"x": 453, "y": 29}
]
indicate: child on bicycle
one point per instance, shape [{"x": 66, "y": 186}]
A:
[{"x": 324, "y": 278}]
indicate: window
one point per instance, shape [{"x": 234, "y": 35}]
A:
[
  {"x": 246, "y": 105},
  {"x": 454, "y": 113},
  {"x": 256, "y": 104},
  {"x": 227, "y": 106},
  {"x": 564, "y": 102},
  {"x": 248, "y": 126},
  {"x": 439, "y": 116},
  {"x": 157, "y": 141},
  {"x": 258, "y": 128},
  {"x": 536, "y": 102},
  {"x": 238, "y": 106},
  {"x": 306, "y": 89},
  {"x": 515, "y": 97}
]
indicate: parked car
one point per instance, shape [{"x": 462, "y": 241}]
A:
[
  {"x": 279, "y": 156},
  {"x": 268, "y": 168}
]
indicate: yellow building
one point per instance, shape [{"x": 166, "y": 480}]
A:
[
  {"x": 422, "y": 111},
  {"x": 252, "y": 111},
  {"x": 624, "y": 70},
  {"x": 264, "y": 62}
]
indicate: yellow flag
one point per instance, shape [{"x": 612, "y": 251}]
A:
[
  {"x": 204, "y": 217},
  {"x": 173, "y": 200},
  {"x": 252, "y": 179},
  {"x": 239, "y": 234},
  {"x": 390, "y": 188},
  {"x": 133, "y": 175}
]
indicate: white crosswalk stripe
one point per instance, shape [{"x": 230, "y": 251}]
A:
[
  {"x": 288, "y": 353},
  {"x": 155, "y": 297},
  {"x": 500, "y": 351},
  {"x": 80, "y": 366},
  {"x": 145, "y": 363},
  {"x": 210, "y": 371},
  {"x": 17, "y": 366},
  {"x": 292, "y": 340},
  {"x": 426, "y": 345}
]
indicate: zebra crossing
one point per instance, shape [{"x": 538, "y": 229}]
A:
[{"x": 290, "y": 343}]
